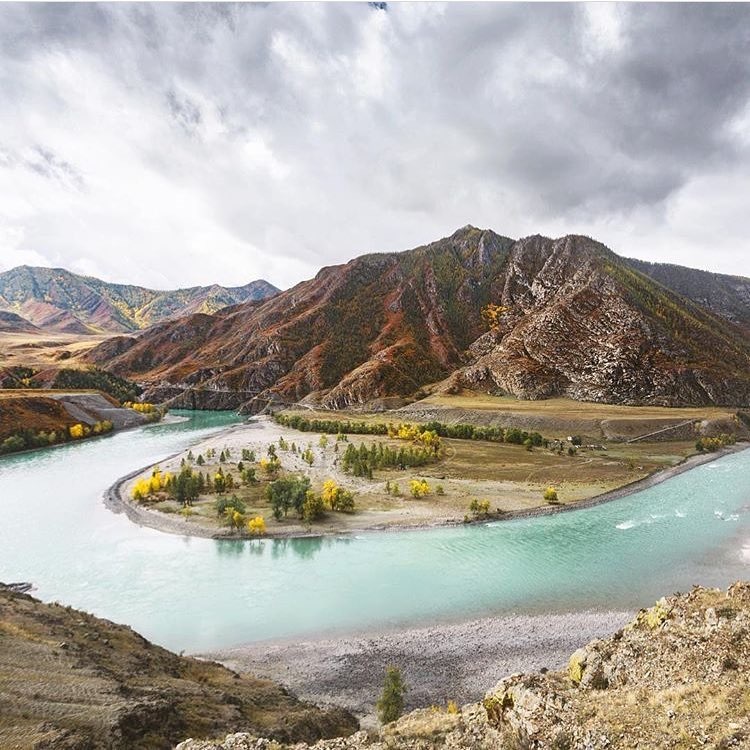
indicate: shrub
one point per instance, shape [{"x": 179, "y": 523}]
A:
[
  {"x": 419, "y": 488},
  {"x": 480, "y": 507}
]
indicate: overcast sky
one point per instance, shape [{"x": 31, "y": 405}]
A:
[{"x": 170, "y": 145}]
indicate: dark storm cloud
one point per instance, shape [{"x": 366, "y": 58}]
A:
[{"x": 271, "y": 139}]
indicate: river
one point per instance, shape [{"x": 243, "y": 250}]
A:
[{"x": 200, "y": 594}]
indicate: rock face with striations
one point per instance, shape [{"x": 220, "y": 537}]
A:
[{"x": 579, "y": 322}]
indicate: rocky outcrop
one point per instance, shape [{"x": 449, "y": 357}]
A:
[
  {"x": 72, "y": 680},
  {"x": 575, "y": 320},
  {"x": 676, "y": 676}
]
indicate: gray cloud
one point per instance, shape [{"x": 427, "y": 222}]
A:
[{"x": 226, "y": 142}]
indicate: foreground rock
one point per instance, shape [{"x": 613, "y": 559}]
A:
[
  {"x": 676, "y": 677},
  {"x": 71, "y": 680}
]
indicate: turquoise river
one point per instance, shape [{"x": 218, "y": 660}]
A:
[{"x": 199, "y": 594}]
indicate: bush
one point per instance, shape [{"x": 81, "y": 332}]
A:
[
  {"x": 480, "y": 508},
  {"x": 391, "y": 702},
  {"x": 550, "y": 496},
  {"x": 419, "y": 488}
]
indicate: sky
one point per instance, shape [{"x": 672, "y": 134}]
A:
[{"x": 172, "y": 145}]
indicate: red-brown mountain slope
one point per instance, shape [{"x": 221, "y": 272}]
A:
[{"x": 580, "y": 322}]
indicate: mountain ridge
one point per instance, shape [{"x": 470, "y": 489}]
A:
[
  {"x": 577, "y": 320},
  {"x": 60, "y": 300}
]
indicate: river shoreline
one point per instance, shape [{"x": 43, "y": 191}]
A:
[
  {"x": 117, "y": 501},
  {"x": 458, "y": 661}
]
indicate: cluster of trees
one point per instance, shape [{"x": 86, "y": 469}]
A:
[
  {"x": 336, "y": 497},
  {"x": 27, "y": 438},
  {"x": 96, "y": 379},
  {"x": 711, "y": 444},
  {"x": 294, "y": 493},
  {"x": 188, "y": 485},
  {"x": 511, "y": 435},
  {"x": 331, "y": 426},
  {"x": 152, "y": 412},
  {"x": 362, "y": 460},
  {"x": 234, "y": 511},
  {"x": 67, "y": 379},
  {"x": 78, "y": 431},
  {"x": 417, "y": 434}
]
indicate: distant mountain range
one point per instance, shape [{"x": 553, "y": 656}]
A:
[
  {"x": 54, "y": 299},
  {"x": 572, "y": 319}
]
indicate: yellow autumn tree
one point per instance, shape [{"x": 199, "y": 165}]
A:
[
  {"x": 76, "y": 431},
  {"x": 141, "y": 489},
  {"x": 257, "y": 526},
  {"x": 156, "y": 482},
  {"x": 491, "y": 314}
]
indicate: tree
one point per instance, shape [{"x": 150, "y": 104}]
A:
[
  {"x": 235, "y": 518},
  {"x": 314, "y": 507},
  {"x": 390, "y": 705},
  {"x": 219, "y": 482},
  {"x": 550, "y": 496},
  {"x": 200, "y": 460},
  {"x": 287, "y": 493},
  {"x": 76, "y": 431}
]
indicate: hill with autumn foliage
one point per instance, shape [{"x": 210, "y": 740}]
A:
[
  {"x": 57, "y": 300},
  {"x": 571, "y": 318}
]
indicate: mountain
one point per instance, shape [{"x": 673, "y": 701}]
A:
[
  {"x": 56, "y": 299},
  {"x": 728, "y": 296},
  {"x": 575, "y": 320},
  {"x": 12, "y": 323}
]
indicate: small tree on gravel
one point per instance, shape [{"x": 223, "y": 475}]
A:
[{"x": 391, "y": 702}]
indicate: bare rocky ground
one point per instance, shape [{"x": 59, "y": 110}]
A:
[{"x": 677, "y": 676}]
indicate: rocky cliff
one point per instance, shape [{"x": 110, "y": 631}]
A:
[
  {"x": 675, "y": 677},
  {"x": 572, "y": 319}
]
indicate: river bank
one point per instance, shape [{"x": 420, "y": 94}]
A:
[
  {"x": 397, "y": 515},
  {"x": 440, "y": 662}
]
